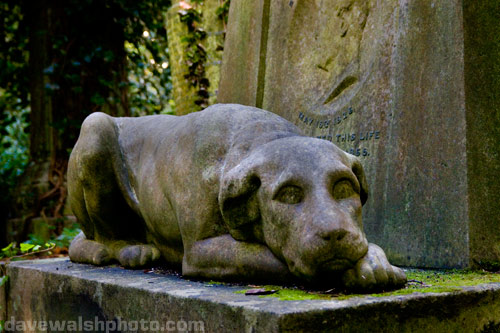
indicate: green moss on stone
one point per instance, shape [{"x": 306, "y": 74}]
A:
[
  {"x": 419, "y": 281},
  {"x": 297, "y": 295}
]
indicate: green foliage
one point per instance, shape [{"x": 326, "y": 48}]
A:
[
  {"x": 34, "y": 239},
  {"x": 14, "y": 96},
  {"x": 8, "y": 251},
  {"x": 14, "y": 76},
  {"x": 195, "y": 53},
  {"x": 67, "y": 235},
  {"x": 13, "y": 251},
  {"x": 223, "y": 11},
  {"x": 149, "y": 76},
  {"x": 28, "y": 247},
  {"x": 98, "y": 60},
  {"x": 108, "y": 56},
  {"x": 36, "y": 244},
  {"x": 13, "y": 141},
  {"x": 3, "y": 280},
  {"x": 62, "y": 241},
  {"x": 132, "y": 31}
]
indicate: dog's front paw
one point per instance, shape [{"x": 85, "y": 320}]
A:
[{"x": 374, "y": 272}]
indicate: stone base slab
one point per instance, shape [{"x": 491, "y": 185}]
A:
[{"x": 100, "y": 299}]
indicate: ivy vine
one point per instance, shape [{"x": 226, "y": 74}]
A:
[
  {"x": 223, "y": 12},
  {"x": 196, "y": 53}
]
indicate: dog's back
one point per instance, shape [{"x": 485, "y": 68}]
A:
[
  {"x": 152, "y": 171},
  {"x": 208, "y": 134},
  {"x": 177, "y": 162},
  {"x": 195, "y": 146}
]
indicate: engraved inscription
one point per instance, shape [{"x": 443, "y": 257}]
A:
[
  {"x": 363, "y": 136},
  {"x": 353, "y": 137},
  {"x": 355, "y": 140},
  {"x": 325, "y": 123},
  {"x": 358, "y": 152}
]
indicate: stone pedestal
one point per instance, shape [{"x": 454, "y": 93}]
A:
[
  {"x": 3, "y": 294},
  {"x": 58, "y": 292},
  {"x": 411, "y": 87}
]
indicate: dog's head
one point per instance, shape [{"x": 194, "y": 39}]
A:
[{"x": 301, "y": 197}]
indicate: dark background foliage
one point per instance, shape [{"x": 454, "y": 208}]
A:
[{"x": 61, "y": 60}]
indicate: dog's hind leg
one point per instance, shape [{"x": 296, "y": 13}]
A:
[
  {"x": 112, "y": 228},
  {"x": 88, "y": 251}
]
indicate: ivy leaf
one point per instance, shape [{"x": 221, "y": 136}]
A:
[
  {"x": 5, "y": 249},
  {"x": 26, "y": 247},
  {"x": 3, "y": 280}
]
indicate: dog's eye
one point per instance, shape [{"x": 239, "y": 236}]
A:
[
  {"x": 343, "y": 189},
  {"x": 290, "y": 195}
]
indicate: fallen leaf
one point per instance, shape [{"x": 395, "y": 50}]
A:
[{"x": 252, "y": 292}]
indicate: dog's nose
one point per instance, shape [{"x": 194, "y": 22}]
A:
[{"x": 335, "y": 235}]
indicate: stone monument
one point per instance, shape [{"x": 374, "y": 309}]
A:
[
  {"x": 411, "y": 87},
  {"x": 231, "y": 193}
]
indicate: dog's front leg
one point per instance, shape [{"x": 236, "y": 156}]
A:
[{"x": 224, "y": 258}]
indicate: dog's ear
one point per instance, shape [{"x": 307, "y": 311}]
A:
[
  {"x": 238, "y": 200},
  {"x": 358, "y": 171}
]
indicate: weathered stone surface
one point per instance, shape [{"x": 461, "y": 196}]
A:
[
  {"x": 243, "y": 69},
  {"x": 399, "y": 85},
  {"x": 233, "y": 192},
  {"x": 57, "y": 289},
  {"x": 482, "y": 96}
]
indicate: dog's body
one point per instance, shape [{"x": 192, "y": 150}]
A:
[{"x": 232, "y": 192}]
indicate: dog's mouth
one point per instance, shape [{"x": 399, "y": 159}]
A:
[
  {"x": 336, "y": 264},
  {"x": 325, "y": 269}
]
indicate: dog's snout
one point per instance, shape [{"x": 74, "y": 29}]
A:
[
  {"x": 334, "y": 235},
  {"x": 334, "y": 226}
]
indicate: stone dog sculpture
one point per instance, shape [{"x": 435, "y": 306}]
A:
[{"x": 232, "y": 192}]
